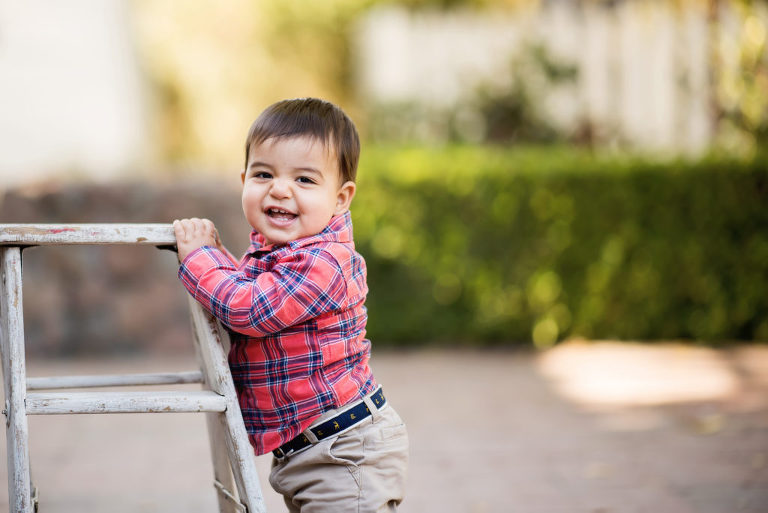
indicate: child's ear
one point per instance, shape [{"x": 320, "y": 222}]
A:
[
  {"x": 344, "y": 197},
  {"x": 242, "y": 176}
]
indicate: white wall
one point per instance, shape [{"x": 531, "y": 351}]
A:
[{"x": 71, "y": 99}]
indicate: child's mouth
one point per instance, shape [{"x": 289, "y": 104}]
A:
[{"x": 280, "y": 215}]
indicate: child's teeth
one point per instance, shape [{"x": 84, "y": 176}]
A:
[{"x": 279, "y": 213}]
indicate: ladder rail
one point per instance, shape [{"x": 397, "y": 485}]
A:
[
  {"x": 114, "y": 380},
  {"x": 66, "y": 403},
  {"x": 209, "y": 342},
  {"x": 148, "y": 234}
]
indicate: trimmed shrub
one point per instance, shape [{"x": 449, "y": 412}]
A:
[{"x": 487, "y": 246}]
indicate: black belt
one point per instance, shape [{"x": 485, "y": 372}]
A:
[{"x": 332, "y": 426}]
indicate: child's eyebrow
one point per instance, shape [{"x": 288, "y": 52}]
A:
[
  {"x": 310, "y": 169},
  {"x": 259, "y": 164}
]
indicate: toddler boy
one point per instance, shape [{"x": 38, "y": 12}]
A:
[{"x": 294, "y": 309}]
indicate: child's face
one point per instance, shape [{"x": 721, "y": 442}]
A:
[{"x": 292, "y": 188}]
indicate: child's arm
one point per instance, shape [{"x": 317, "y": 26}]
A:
[
  {"x": 304, "y": 285},
  {"x": 195, "y": 233}
]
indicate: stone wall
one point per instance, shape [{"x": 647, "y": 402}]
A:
[{"x": 115, "y": 299}]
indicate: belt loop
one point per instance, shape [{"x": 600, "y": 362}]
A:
[
  {"x": 311, "y": 436},
  {"x": 372, "y": 407}
]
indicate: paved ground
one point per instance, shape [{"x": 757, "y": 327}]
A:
[{"x": 599, "y": 428}]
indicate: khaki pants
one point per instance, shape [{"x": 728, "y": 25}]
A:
[{"x": 361, "y": 470}]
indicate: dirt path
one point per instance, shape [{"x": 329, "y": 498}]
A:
[{"x": 584, "y": 428}]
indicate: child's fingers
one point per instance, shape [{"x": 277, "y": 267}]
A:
[
  {"x": 201, "y": 227},
  {"x": 205, "y": 228},
  {"x": 187, "y": 229},
  {"x": 194, "y": 225},
  {"x": 179, "y": 230}
]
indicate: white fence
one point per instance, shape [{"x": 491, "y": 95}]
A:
[{"x": 643, "y": 66}]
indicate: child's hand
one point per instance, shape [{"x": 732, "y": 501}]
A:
[{"x": 194, "y": 233}]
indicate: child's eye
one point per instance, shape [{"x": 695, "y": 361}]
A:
[
  {"x": 305, "y": 179},
  {"x": 262, "y": 174}
]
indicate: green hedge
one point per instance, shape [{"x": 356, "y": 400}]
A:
[{"x": 484, "y": 246}]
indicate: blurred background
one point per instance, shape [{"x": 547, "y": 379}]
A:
[
  {"x": 532, "y": 171},
  {"x": 536, "y": 176}
]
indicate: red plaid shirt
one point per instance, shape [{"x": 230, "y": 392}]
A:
[{"x": 297, "y": 323}]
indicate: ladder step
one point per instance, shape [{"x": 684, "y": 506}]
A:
[
  {"x": 56, "y": 403},
  {"x": 177, "y": 378}
]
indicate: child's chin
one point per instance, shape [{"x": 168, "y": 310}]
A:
[{"x": 278, "y": 240}]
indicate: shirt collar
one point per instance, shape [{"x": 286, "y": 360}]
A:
[{"x": 338, "y": 230}]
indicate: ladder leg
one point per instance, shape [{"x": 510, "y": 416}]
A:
[
  {"x": 33, "y": 491},
  {"x": 14, "y": 378},
  {"x": 209, "y": 337},
  {"x": 243, "y": 461},
  {"x": 227, "y": 496}
]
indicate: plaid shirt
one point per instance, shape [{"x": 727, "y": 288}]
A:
[{"x": 296, "y": 320}]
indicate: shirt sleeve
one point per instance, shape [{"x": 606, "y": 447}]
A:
[
  {"x": 302, "y": 285},
  {"x": 229, "y": 255}
]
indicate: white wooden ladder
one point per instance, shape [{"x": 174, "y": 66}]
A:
[{"x": 233, "y": 460}]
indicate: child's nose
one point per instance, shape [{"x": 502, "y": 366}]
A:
[{"x": 280, "y": 188}]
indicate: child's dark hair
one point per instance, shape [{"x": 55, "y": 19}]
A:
[{"x": 311, "y": 117}]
